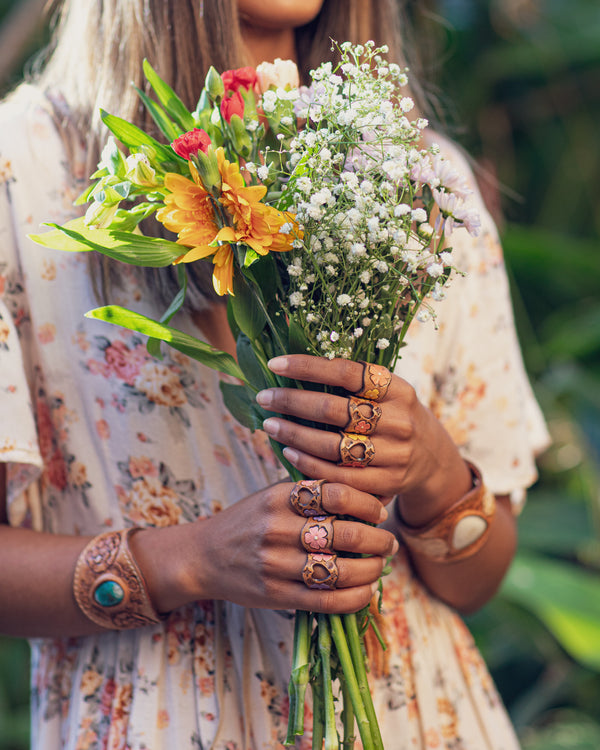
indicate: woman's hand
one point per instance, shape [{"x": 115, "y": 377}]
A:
[
  {"x": 251, "y": 554},
  {"x": 414, "y": 457}
]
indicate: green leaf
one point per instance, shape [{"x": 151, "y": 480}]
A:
[
  {"x": 564, "y": 597},
  {"x": 168, "y": 128},
  {"x": 169, "y": 99},
  {"x": 194, "y": 348},
  {"x": 240, "y": 404},
  {"x": 298, "y": 342},
  {"x": 250, "y": 364},
  {"x": 128, "y": 247},
  {"x": 247, "y": 311},
  {"x": 134, "y": 138}
]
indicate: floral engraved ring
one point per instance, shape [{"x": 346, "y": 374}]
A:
[
  {"x": 320, "y": 571},
  {"x": 376, "y": 381},
  {"x": 364, "y": 416},
  {"x": 356, "y": 450},
  {"x": 306, "y": 497},
  {"x": 317, "y": 534}
]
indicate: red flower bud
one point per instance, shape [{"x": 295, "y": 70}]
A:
[
  {"x": 188, "y": 144},
  {"x": 232, "y": 104},
  {"x": 233, "y": 79}
]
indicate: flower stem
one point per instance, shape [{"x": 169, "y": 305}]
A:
[
  {"x": 341, "y": 643},
  {"x": 299, "y": 676},
  {"x": 331, "y": 736},
  {"x": 318, "y": 718},
  {"x": 354, "y": 641},
  {"x": 347, "y": 717}
]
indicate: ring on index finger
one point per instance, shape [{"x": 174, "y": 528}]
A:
[
  {"x": 364, "y": 415},
  {"x": 376, "y": 381},
  {"x": 307, "y": 497}
]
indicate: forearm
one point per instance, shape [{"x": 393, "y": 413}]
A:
[{"x": 469, "y": 583}]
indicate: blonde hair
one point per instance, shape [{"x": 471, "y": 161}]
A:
[{"x": 99, "y": 45}]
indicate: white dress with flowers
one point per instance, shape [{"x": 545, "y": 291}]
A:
[{"x": 97, "y": 435}]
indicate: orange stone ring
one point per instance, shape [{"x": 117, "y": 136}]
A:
[
  {"x": 363, "y": 414},
  {"x": 376, "y": 381}
]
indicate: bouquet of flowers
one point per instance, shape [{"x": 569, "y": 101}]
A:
[{"x": 327, "y": 223}]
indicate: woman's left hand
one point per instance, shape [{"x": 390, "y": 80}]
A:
[{"x": 410, "y": 453}]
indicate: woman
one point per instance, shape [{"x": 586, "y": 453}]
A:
[{"x": 118, "y": 440}]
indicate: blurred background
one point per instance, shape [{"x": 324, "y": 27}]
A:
[{"x": 519, "y": 83}]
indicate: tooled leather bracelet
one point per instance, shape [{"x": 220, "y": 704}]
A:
[
  {"x": 108, "y": 585},
  {"x": 460, "y": 531}
]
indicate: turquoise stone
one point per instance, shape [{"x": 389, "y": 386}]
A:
[{"x": 109, "y": 594}]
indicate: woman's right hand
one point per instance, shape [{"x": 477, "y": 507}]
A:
[{"x": 251, "y": 553}]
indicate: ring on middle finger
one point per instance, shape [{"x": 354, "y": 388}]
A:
[
  {"x": 317, "y": 534},
  {"x": 356, "y": 450},
  {"x": 364, "y": 416}
]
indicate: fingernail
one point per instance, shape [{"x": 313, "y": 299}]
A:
[
  {"x": 395, "y": 547},
  {"x": 383, "y": 515},
  {"x": 291, "y": 455},
  {"x": 278, "y": 364},
  {"x": 271, "y": 426},
  {"x": 264, "y": 398},
  {"x": 374, "y": 587}
]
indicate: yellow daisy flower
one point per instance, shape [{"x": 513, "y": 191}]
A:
[{"x": 190, "y": 213}]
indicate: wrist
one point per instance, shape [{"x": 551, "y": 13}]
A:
[
  {"x": 170, "y": 559},
  {"x": 446, "y": 476},
  {"x": 458, "y": 532}
]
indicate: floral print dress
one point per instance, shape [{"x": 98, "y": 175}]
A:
[{"x": 97, "y": 435}]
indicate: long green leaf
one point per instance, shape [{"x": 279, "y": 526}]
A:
[
  {"x": 134, "y": 137},
  {"x": 194, "y": 348},
  {"x": 167, "y": 127},
  {"x": 564, "y": 597},
  {"x": 169, "y": 99},
  {"x": 128, "y": 247}
]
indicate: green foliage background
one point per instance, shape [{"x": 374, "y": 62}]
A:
[{"x": 520, "y": 80}]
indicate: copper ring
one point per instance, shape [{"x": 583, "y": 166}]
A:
[
  {"x": 317, "y": 534},
  {"x": 376, "y": 381},
  {"x": 306, "y": 497},
  {"x": 364, "y": 415},
  {"x": 356, "y": 450},
  {"x": 324, "y": 566}
]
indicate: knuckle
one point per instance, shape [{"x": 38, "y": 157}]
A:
[
  {"x": 350, "y": 536},
  {"x": 334, "y": 494},
  {"x": 325, "y": 408},
  {"x": 326, "y": 601}
]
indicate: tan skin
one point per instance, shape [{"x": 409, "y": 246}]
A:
[{"x": 251, "y": 553}]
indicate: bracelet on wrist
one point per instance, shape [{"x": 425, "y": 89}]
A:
[
  {"x": 460, "y": 531},
  {"x": 108, "y": 585}
]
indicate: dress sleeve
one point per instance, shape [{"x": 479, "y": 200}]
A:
[
  {"x": 481, "y": 390},
  {"x": 19, "y": 447}
]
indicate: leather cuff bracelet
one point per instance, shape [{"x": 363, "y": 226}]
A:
[
  {"x": 460, "y": 531},
  {"x": 108, "y": 585}
]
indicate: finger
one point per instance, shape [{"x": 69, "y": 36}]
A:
[
  {"x": 349, "y": 536},
  {"x": 352, "y": 571},
  {"x": 342, "y": 373},
  {"x": 309, "y": 405},
  {"x": 350, "y": 414},
  {"x": 336, "y": 601},
  {"x": 340, "y": 499},
  {"x": 372, "y": 479},
  {"x": 326, "y": 445}
]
